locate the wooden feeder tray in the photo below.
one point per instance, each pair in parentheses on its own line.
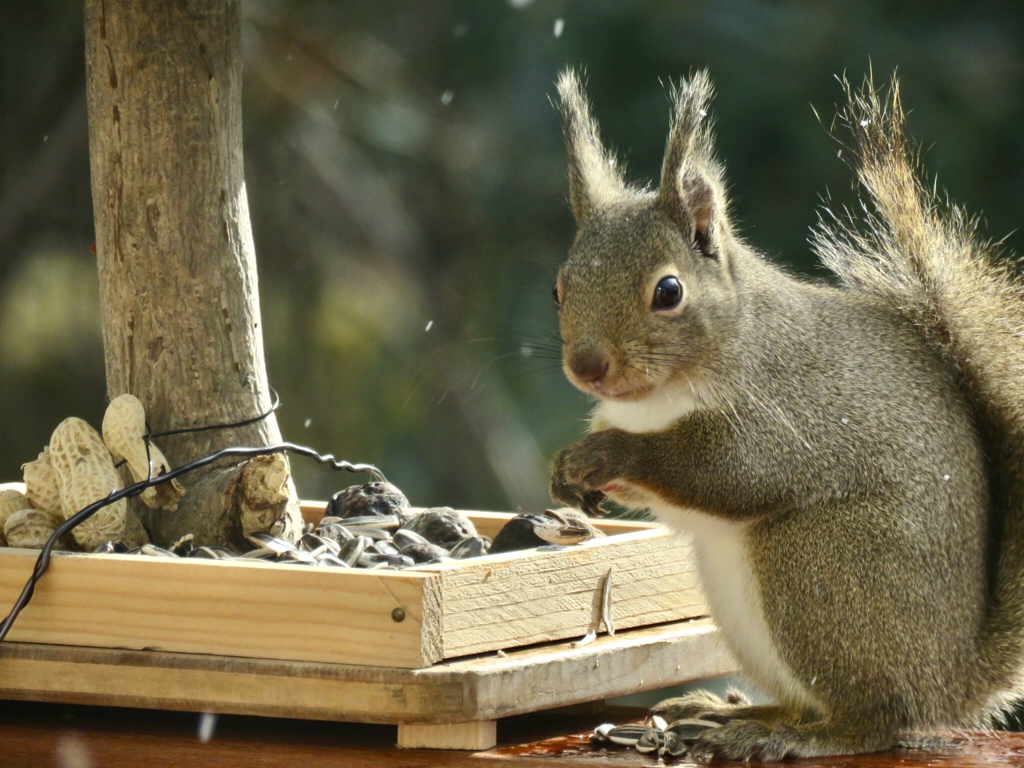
(440,650)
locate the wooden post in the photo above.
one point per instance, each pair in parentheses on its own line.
(178,289)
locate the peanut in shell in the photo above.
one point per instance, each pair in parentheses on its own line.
(11,501)
(124,428)
(85,474)
(41,483)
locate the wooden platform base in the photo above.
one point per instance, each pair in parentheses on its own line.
(58,736)
(449,705)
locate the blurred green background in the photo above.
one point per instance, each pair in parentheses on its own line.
(407,185)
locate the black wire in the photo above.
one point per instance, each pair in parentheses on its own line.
(43,561)
(190,430)
(147,438)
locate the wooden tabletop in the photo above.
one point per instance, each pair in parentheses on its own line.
(62,736)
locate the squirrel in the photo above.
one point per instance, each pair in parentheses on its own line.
(847,458)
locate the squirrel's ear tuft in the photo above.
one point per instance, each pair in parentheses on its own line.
(690,177)
(593,176)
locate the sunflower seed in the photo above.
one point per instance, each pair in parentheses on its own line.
(627,735)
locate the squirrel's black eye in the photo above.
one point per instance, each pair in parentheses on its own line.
(554,294)
(667,293)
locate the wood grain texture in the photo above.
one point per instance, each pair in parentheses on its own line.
(178,287)
(300,613)
(52,736)
(515,599)
(467,736)
(254,609)
(177,265)
(478,689)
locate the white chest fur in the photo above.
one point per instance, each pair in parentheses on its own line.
(734,597)
(654,413)
(723,558)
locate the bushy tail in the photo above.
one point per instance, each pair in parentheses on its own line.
(926,259)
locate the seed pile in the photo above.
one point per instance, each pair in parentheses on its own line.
(373,526)
(665,739)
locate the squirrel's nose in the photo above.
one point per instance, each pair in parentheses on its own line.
(588,365)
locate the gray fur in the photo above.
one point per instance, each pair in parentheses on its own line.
(868,438)
(594,176)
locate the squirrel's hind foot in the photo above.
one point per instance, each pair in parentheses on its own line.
(755,740)
(764,732)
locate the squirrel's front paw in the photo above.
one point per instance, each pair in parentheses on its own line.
(579,472)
